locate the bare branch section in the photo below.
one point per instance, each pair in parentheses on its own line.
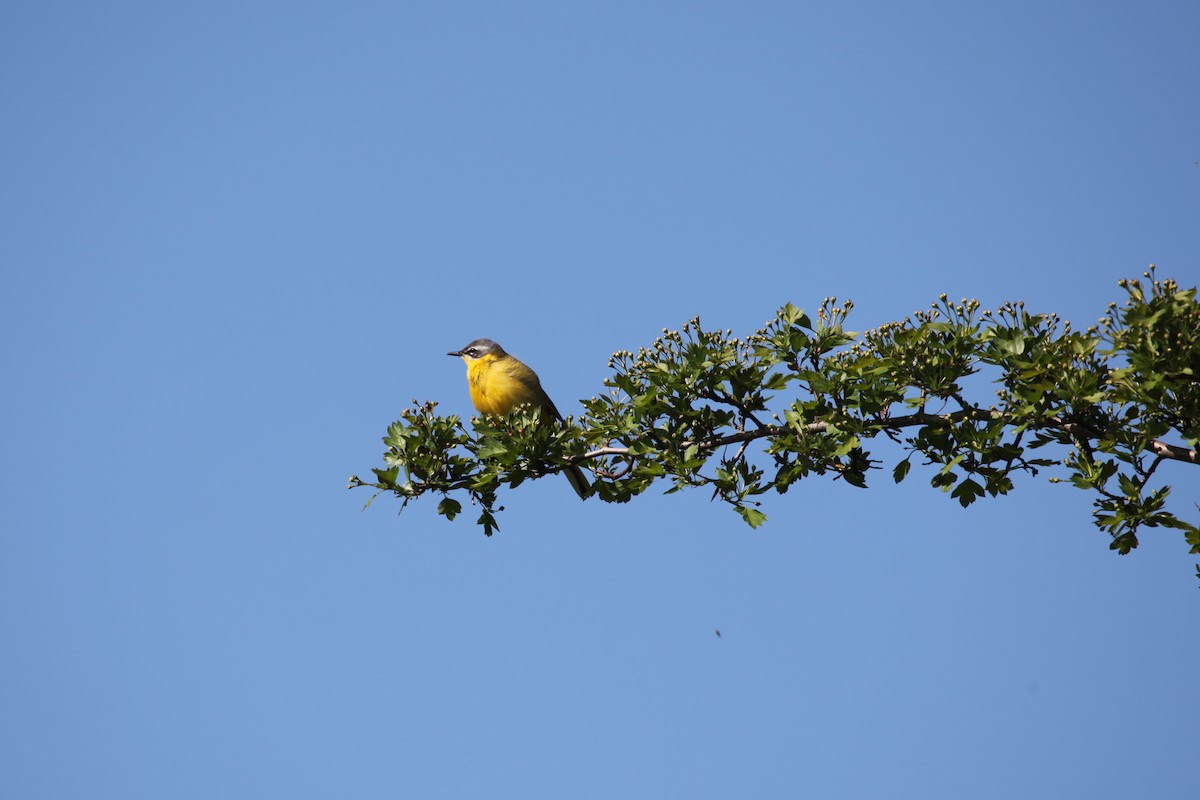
(1174,452)
(1099,408)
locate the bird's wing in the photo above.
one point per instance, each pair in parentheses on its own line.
(529,379)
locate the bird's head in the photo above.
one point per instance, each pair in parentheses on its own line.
(479,349)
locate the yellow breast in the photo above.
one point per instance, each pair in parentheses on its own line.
(497,386)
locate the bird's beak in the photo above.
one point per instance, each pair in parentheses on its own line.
(456,353)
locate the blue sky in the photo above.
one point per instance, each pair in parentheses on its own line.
(240,238)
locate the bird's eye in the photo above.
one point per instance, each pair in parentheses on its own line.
(473,352)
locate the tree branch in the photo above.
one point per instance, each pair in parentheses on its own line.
(1172,451)
(1159,448)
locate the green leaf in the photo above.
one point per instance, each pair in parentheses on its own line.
(1124,543)
(854,478)
(943,480)
(641,448)
(776,381)
(954,462)
(1010,342)
(1129,487)
(488,520)
(967,492)
(752,516)
(387,477)
(492,448)
(901,470)
(845,447)
(449,508)
(794,316)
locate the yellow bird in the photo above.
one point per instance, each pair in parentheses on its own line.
(499,383)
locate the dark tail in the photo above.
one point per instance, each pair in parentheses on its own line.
(578,481)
